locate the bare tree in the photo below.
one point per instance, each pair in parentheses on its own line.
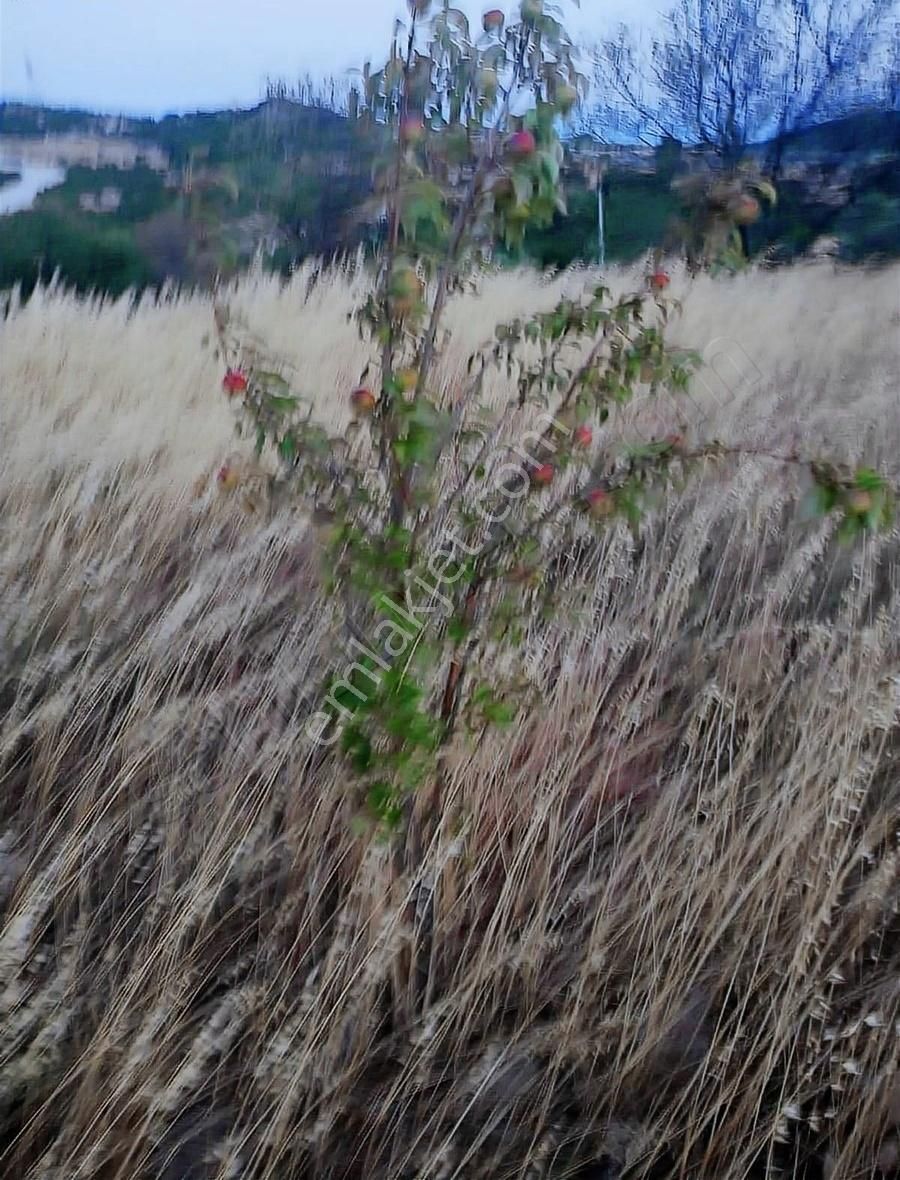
(840,55)
(704,79)
(727,73)
(323,93)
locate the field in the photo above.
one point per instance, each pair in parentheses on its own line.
(657,931)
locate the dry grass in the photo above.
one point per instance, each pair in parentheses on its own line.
(657,934)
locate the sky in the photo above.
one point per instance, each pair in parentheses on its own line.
(157,56)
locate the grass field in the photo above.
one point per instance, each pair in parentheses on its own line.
(657,933)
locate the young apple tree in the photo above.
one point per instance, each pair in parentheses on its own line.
(444,515)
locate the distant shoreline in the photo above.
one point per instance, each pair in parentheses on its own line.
(21,183)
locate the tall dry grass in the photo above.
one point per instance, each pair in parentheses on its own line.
(656,933)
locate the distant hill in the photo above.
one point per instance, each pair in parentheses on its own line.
(319,128)
(221,132)
(282,177)
(17,118)
(285,178)
(864,132)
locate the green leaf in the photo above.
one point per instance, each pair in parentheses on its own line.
(316,440)
(413,774)
(550,165)
(457,629)
(651,450)
(500,714)
(357,747)
(281,403)
(287,448)
(850,529)
(272,382)
(422,203)
(402,452)
(823,498)
(869,480)
(384,804)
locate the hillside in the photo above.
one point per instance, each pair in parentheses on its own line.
(283,179)
(865,133)
(223,132)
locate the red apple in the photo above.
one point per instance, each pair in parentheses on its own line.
(227,477)
(860,501)
(492,20)
(522,144)
(363,401)
(744,210)
(542,474)
(234,382)
(406,290)
(659,280)
(412,129)
(600,503)
(583,436)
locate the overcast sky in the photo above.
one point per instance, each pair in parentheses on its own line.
(153,56)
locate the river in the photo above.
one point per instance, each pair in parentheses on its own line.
(33,179)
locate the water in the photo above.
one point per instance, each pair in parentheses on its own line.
(33,179)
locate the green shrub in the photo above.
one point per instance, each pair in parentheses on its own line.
(143,191)
(89,254)
(870,227)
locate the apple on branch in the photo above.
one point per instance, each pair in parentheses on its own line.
(363,401)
